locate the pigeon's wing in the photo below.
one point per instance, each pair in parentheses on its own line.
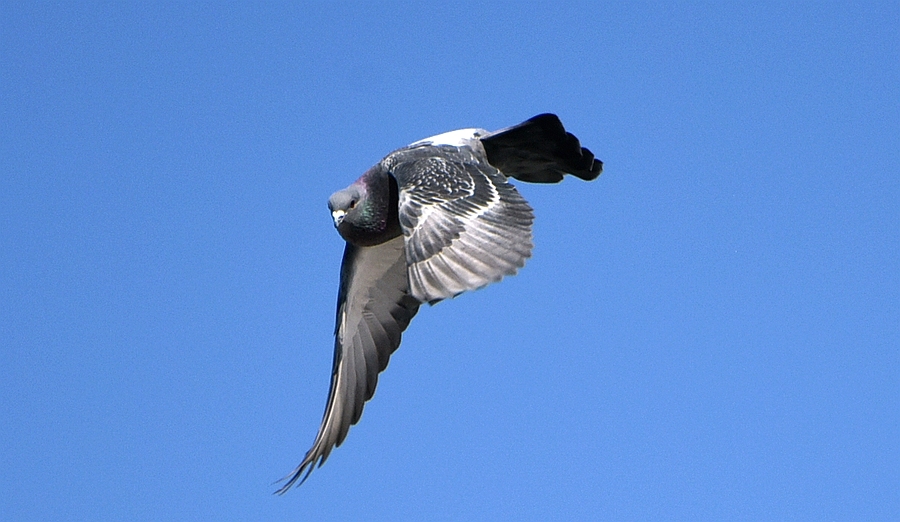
(463,224)
(374,308)
(539,150)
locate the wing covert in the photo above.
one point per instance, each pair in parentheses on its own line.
(464,225)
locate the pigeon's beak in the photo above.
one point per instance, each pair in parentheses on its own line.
(338,216)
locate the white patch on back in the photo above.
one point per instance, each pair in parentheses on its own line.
(456,138)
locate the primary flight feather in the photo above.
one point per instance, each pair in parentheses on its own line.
(429,221)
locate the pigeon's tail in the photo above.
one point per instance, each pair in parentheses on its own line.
(540,150)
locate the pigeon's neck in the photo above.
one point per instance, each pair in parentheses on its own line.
(378,220)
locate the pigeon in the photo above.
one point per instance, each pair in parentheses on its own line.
(431,220)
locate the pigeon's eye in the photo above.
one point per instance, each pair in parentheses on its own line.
(352,203)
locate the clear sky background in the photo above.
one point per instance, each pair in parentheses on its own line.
(709,331)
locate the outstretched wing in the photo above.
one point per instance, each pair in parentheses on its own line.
(374,308)
(539,150)
(464,226)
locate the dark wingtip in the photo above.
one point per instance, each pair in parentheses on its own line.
(592,167)
(580,160)
(540,150)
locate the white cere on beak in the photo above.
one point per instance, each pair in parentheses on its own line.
(338,216)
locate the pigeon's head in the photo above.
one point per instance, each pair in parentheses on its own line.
(365,213)
(344,202)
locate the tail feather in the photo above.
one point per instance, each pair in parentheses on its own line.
(539,150)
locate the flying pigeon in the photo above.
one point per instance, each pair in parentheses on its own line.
(431,220)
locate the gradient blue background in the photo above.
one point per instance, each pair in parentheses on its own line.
(709,331)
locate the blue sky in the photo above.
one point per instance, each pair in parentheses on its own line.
(709,331)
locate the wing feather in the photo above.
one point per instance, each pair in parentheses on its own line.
(374,308)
